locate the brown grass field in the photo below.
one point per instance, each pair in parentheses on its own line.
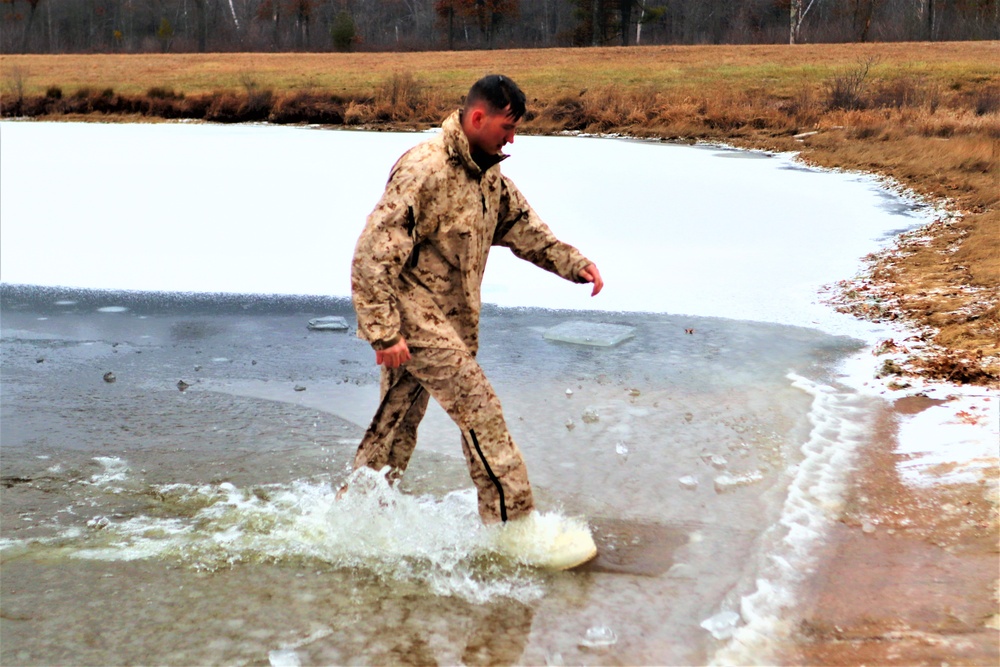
(924,114)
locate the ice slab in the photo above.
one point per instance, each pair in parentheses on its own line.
(722,625)
(331,323)
(599,636)
(689,482)
(600,334)
(284,658)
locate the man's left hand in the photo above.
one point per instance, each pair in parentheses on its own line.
(393,356)
(592,275)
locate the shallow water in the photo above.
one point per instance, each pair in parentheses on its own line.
(145,523)
(185,513)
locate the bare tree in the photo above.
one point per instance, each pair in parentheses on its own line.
(201,21)
(798,14)
(449,10)
(58,26)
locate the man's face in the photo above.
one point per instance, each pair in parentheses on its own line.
(492,131)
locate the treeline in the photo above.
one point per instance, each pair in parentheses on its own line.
(145,26)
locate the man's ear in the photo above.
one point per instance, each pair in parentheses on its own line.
(476,116)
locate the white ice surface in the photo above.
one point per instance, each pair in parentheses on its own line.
(956,441)
(946,443)
(277,210)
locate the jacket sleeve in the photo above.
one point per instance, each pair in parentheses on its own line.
(521,230)
(382,251)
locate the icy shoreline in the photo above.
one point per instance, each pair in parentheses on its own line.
(955,442)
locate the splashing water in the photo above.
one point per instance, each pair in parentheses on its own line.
(439,542)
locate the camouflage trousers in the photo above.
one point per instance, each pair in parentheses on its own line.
(458,384)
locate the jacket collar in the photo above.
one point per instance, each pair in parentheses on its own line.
(457,145)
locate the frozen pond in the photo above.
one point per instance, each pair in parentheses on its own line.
(146,524)
(277,210)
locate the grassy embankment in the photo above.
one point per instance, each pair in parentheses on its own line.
(927,115)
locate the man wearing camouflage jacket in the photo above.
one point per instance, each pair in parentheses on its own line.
(415,281)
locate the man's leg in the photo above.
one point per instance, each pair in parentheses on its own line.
(456,381)
(392,435)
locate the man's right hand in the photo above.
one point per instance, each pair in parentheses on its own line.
(394,356)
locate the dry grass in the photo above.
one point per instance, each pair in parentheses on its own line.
(927,115)
(692,70)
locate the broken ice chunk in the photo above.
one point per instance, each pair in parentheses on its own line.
(284,658)
(719,462)
(728,482)
(331,323)
(599,334)
(689,482)
(599,636)
(722,624)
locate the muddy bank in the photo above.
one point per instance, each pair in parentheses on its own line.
(909,573)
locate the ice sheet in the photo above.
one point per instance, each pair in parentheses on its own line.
(277,210)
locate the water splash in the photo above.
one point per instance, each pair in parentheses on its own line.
(114,470)
(438,542)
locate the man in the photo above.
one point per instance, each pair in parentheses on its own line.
(415,281)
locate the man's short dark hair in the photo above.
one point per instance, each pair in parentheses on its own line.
(499,93)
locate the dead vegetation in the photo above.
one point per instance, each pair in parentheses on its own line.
(926,115)
(943,280)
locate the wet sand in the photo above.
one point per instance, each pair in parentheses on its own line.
(909,574)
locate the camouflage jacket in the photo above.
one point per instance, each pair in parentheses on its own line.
(418,265)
